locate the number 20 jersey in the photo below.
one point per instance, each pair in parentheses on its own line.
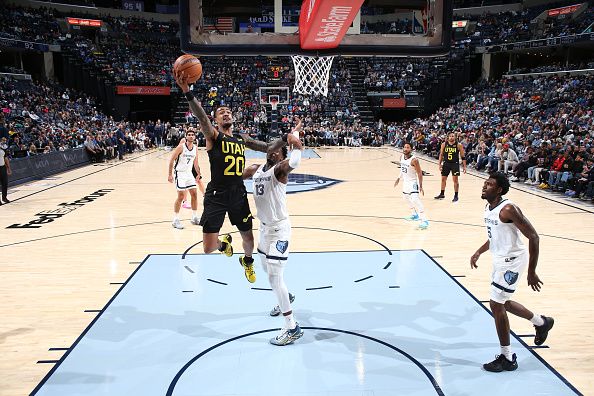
(227,161)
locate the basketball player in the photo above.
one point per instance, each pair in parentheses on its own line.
(505,222)
(199,182)
(449,161)
(410,171)
(270,195)
(225,193)
(185,159)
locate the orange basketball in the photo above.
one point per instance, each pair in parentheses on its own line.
(190,65)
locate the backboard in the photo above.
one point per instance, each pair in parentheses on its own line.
(270,27)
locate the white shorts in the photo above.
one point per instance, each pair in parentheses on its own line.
(410,187)
(274,242)
(507,273)
(184,180)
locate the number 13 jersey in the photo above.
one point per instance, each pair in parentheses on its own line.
(227,160)
(270,196)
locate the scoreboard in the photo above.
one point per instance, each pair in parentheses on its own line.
(275,73)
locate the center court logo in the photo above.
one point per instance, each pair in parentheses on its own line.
(300,183)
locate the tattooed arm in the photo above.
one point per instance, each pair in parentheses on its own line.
(205,125)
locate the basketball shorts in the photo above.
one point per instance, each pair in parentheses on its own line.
(507,272)
(274,242)
(184,180)
(447,167)
(410,187)
(218,202)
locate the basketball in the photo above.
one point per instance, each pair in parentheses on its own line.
(190,65)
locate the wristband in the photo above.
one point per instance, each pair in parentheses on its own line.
(189,96)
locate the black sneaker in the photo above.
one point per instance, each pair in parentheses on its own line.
(5,200)
(543,331)
(440,196)
(501,364)
(455,198)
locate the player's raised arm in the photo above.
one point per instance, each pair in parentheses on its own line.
(205,125)
(294,159)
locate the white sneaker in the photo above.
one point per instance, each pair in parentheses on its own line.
(177,224)
(195,221)
(513,178)
(287,336)
(528,181)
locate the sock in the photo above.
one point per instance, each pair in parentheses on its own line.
(506,351)
(537,320)
(195,214)
(248,259)
(442,192)
(176,216)
(290,321)
(455,193)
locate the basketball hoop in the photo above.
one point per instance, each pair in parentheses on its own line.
(312,74)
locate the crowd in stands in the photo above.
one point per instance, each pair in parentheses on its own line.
(514,26)
(45,117)
(555,67)
(539,130)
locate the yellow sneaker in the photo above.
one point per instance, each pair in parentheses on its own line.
(228,249)
(250,274)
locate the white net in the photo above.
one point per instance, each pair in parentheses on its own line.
(311,74)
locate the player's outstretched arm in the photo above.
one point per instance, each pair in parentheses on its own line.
(195,106)
(286,166)
(249,171)
(513,214)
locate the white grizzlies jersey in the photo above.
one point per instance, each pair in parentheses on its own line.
(409,173)
(270,196)
(185,161)
(504,238)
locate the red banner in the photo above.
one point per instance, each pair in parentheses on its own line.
(142,90)
(394,103)
(564,10)
(323,23)
(84,22)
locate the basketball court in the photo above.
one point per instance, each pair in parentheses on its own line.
(109,297)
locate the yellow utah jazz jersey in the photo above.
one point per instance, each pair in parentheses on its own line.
(227,160)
